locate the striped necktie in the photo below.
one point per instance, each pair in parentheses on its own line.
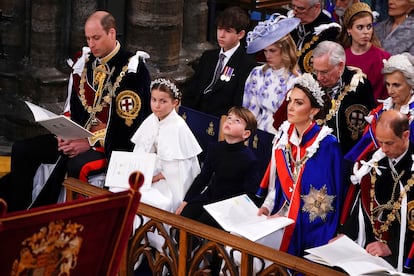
(217,71)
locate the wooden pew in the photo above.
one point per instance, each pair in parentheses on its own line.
(179,255)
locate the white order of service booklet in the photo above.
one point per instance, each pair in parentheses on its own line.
(239,215)
(352,258)
(59,125)
(123,163)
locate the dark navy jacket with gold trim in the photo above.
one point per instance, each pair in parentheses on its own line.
(348,122)
(329,31)
(128,105)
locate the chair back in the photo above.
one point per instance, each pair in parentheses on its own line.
(205,127)
(261,144)
(86,236)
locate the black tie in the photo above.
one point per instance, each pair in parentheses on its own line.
(217,72)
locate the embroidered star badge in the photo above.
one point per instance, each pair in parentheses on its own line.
(317,203)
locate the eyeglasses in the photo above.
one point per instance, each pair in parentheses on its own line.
(323,73)
(299,8)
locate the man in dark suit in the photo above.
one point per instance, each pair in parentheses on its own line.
(218,83)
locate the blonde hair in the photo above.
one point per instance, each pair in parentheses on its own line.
(288,51)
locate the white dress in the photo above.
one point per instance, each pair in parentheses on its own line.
(177,149)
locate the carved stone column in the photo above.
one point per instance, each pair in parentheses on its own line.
(155,26)
(12,29)
(81,10)
(156,30)
(195,27)
(32,74)
(47,20)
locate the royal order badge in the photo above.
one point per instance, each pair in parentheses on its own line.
(128,105)
(410,216)
(317,203)
(355,119)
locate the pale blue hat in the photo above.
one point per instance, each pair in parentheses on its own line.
(270,31)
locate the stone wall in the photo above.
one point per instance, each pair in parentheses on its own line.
(38,36)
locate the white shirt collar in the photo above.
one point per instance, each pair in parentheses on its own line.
(229,53)
(398,158)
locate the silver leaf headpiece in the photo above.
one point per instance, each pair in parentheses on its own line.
(307,81)
(169,84)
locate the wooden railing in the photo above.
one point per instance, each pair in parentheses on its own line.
(4,165)
(180,256)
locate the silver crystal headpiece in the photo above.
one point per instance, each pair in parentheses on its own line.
(169,84)
(307,81)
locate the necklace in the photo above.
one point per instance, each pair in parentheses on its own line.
(391,205)
(297,164)
(335,106)
(307,45)
(102,78)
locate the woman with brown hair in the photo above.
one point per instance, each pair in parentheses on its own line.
(362,47)
(304,177)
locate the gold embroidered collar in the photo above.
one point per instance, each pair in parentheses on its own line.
(102,83)
(108,57)
(351,87)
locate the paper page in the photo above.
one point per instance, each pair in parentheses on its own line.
(123,163)
(234,211)
(257,230)
(66,128)
(341,250)
(316,259)
(39,113)
(59,125)
(239,214)
(366,268)
(345,253)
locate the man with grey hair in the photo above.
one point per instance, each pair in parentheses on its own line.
(315,26)
(350,90)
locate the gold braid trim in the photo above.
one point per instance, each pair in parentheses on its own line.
(307,45)
(98,136)
(395,206)
(356,79)
(99,101)
(335,106)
